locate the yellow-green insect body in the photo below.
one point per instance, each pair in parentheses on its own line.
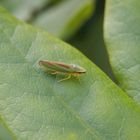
(62,68)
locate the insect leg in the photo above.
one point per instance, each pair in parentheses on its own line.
(51,71)
(69,76)
(77,75)
(54,72)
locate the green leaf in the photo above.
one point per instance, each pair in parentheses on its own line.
(64,19)
(122,35)
(5,134)
(33,105)
(23,9)
(90,40)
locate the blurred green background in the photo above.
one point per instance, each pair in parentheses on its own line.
(78,22)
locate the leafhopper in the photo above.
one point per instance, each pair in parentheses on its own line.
(54,67)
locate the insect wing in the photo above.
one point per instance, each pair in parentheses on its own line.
(56,66)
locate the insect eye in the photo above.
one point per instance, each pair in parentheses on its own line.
(73,65)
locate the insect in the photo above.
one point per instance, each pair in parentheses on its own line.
(54,67)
